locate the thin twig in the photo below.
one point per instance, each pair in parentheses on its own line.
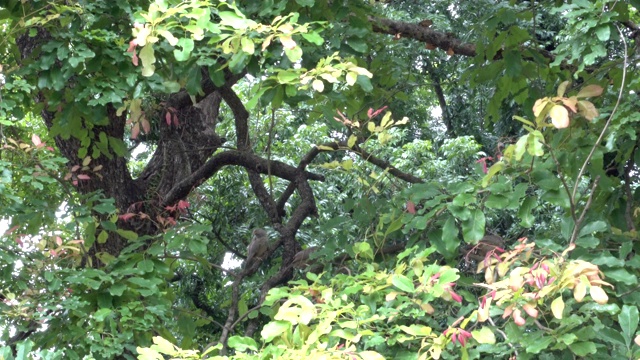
(578,222)
(606,125)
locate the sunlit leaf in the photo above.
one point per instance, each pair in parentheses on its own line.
(557,307)
(559,116)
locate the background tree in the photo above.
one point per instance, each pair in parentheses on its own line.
(142,141)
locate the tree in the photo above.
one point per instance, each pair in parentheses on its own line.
(224,100)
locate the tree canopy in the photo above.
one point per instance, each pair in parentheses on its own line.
(331,179)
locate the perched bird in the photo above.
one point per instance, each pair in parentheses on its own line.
(257,248)
(301,258)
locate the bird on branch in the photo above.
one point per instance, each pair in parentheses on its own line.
(257,249)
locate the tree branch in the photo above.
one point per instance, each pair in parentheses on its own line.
(233,157)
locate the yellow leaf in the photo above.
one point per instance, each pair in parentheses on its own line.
(371,126)
(489,276)
(570,103)
(483,311)
(598,295)
(557,307)
(563,87)
(325,148)
(559,116)
(580,291)
(590,90)
(386,119)
(347,164)
(86,161)
(351,78)
(352,141)
(317,85)
(330,78)
(267,42)
(539,106)
(587,109)
(287,42)
(484,336)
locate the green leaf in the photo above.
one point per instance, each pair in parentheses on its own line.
(238,62)
(274,329)
(127,234)
(101,314)
(583,348)
(628,320)
(521,147)
(603,32)
(622,275)
(497,201)
(186,45)
(117,289)
(233,19)
(403,283)
(450,236)
(473,228)
(493,170)
(593,227)
(294,54)
(534,347)
(243,343)
(524,213)
(484,336)
(358,45)
(313,37)
(416,330)
(118,146)
(288,77)
(148,58)
(146,265)
(24,348)
(102,237)
(364,83)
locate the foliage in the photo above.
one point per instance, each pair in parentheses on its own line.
(462,177)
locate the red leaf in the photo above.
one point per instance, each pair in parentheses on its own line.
(456,297)
(183,204)
(36,140)
(127,216)
(377,112)
(84,177)
(483,161)
(132,46)
(411,207)
(134,59)
(167,118)
(175,120)
(146,126)
(135,130)
(8,232)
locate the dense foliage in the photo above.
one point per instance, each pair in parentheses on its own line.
(442,179)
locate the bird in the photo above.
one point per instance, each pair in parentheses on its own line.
(301,258)
(257,248)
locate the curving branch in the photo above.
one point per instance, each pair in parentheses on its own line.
(383,164)
(432,38)
(232,157)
